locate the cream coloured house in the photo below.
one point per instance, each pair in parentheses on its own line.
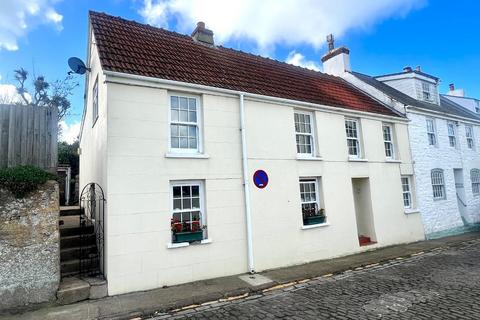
(176,128)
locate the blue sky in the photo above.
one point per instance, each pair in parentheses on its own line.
(383,35)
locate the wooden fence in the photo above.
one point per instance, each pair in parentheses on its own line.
(28,135)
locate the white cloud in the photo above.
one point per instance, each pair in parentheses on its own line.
(270,22)
(298,59)
(69,132)
(8,94)
(18,17)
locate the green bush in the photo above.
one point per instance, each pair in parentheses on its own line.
(23,179)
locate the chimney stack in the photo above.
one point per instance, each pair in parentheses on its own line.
(203,35)
(418,69)
(407,69)
(455,92)
(337,60)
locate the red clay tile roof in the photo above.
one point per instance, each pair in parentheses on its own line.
(134,48)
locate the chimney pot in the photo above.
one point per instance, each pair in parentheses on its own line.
(201,25)
(418,69)
(451,86)
(407,69)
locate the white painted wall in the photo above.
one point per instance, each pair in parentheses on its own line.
(439,215)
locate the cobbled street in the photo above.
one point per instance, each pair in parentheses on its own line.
(443,284)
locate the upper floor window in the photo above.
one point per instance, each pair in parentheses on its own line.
(388,141)
(188,216)
(426,90)
(95,102)
(475,178)
(353,137)
(452,138)
(432,135)
(184,123)
(304,133)
(438,184)
(407,192)
(469,135)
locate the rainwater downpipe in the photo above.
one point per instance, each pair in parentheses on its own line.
(248,216)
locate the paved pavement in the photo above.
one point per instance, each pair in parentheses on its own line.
(316,300)
(441,284)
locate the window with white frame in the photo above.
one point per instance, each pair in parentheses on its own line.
(475,178)
(353,137)
(95,102)
(304,133)
(388,141)
(452,137)
(431,133)
(188,213)
(426,90)
(438,184)
(312,212)
(469,135)
(184,123)
(407,192)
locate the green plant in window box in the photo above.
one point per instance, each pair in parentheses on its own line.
(313,216)
(187,231)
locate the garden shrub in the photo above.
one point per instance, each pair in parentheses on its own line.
(23,179)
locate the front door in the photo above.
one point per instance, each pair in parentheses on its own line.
(460,191)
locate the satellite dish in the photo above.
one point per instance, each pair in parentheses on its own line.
(77,66)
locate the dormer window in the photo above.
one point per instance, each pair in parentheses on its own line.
(426,90)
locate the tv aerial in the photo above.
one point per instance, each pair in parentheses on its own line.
(77,66)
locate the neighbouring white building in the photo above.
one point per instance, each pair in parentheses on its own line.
(444,140)
(458,96)
(174,129)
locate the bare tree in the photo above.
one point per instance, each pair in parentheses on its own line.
(45,94)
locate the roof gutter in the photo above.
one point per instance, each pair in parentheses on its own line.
(429,112)
(253,96)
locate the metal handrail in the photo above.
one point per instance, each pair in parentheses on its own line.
(460,199)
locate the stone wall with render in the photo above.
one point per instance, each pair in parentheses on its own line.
(29,247)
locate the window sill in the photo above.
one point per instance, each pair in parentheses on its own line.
(187,155)
(309,158)
(411,211)
(393,161)
(187,244)
(313,226)
(357,159)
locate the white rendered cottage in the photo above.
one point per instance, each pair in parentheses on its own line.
(444,140)
(175,129)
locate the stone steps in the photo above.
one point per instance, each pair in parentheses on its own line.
(74,289)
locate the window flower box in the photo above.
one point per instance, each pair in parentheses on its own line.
(313,220)
(188,236)
(186,231)
(313,216)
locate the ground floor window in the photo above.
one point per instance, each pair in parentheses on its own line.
(438,184)
(188,213)
(312,211)
(407,192)
(475,177)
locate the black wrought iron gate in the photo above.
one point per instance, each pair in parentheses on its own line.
(92,218)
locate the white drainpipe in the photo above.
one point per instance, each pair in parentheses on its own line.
(248,216)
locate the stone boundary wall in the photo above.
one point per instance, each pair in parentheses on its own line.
(29,247)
